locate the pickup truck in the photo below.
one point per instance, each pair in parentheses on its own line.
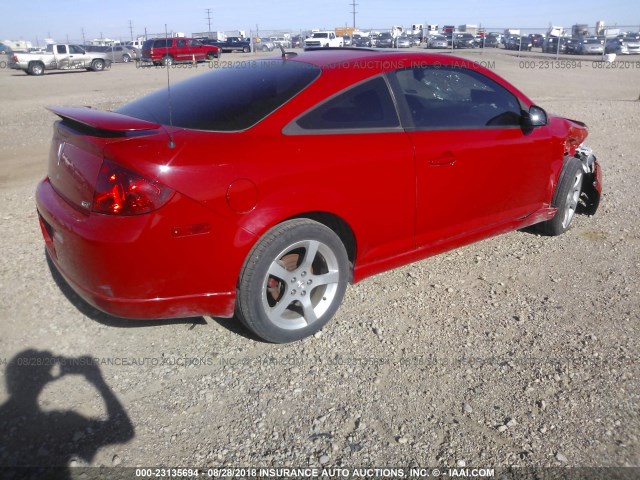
(59,57)
(323,39)
(231,44)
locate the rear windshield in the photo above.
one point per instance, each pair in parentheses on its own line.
(226,99)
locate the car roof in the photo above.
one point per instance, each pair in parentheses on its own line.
(377,61)
(326,57)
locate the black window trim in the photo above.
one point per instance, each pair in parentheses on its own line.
(405,112)
(292,128)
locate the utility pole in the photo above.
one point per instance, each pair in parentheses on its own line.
(84,42)
(209,21)
(353,12)
(131,29)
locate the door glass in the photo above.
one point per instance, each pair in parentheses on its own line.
(454,97)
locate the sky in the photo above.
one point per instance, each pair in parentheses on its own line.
(67,19)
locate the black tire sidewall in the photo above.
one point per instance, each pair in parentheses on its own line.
(554,226)
(35,69)
(249,298)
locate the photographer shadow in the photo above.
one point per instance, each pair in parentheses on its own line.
(34,442)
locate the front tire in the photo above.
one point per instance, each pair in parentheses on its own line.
(167,60)
(565,199)
(293,281)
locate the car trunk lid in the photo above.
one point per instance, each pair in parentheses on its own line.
(76,152)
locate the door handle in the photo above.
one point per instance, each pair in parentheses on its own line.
(447,158)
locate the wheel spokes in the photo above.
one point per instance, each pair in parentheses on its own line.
(326,279)
(311,250)
(308,310)
(279,271)
(300,284)
(572,200)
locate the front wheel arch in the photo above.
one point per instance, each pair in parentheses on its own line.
(566,198)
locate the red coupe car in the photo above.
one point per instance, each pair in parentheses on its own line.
(278,183)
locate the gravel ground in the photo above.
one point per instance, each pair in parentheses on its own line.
(519,350)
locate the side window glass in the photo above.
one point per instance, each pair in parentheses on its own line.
(61,48)
(455,97)
(181,43)
(75,49)
(368,105)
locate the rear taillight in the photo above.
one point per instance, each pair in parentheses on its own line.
(120,191)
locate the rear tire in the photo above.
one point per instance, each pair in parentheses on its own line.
(565,199)
(126,58)
(293,281)
(35,68)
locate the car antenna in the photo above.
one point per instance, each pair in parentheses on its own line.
(285,54)
(171,142)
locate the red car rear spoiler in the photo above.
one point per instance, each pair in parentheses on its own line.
(110,121)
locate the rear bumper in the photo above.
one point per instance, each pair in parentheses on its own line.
(133,267)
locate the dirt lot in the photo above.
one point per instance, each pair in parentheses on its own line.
(520,350)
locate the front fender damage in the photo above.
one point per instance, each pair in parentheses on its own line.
(592,183)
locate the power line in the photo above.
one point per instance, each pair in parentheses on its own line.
(209,20)
(353,11)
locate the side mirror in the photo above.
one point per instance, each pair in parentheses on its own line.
(535,117)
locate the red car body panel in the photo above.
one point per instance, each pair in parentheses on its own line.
(403,195)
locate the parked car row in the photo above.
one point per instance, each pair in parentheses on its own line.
(627,44)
